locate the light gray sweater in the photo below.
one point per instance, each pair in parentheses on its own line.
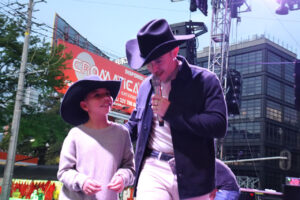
(98,154)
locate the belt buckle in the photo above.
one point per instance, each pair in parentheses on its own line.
(159,155)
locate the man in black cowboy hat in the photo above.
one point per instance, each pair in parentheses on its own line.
(174,159)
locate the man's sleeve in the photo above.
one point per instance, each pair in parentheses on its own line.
(212,122)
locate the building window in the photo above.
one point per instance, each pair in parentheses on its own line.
(250,109)
(296,161)
(290,115)
(251,86)
(273,134)
(273,179)
(249,130)
(289,95)
(205,65)
(273,88)
(289,72)
(275,64)
(241,152)
(274,111)
(247,63)
(271,151)
(290,138)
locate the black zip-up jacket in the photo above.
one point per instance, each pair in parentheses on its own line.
(197,114)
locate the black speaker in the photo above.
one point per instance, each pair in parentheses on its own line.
(188,48)
(291,192)
(233,91)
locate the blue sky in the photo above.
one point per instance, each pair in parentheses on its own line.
(108,24)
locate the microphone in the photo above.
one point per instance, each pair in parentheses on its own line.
(157,90)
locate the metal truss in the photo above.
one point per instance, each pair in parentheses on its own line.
(219,40)
(248,182)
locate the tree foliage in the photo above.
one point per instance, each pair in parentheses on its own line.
(40,121)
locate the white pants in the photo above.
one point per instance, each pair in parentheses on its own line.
(157,182)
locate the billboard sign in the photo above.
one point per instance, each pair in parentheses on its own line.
(85,63)
(63,31)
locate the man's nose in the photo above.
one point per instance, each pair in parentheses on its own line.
(108,97)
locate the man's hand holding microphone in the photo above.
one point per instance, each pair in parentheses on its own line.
(160,104)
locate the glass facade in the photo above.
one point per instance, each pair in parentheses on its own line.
(205,65)
(290,138)
(277,134)
(274,66)
(246,130)
(250,109)
(289,95)
(290,116)
(268,121)
(273,88)
(246,63)
(242,152)
(271,152)
(274,134)
(289,72)
(274,111)
(252,86)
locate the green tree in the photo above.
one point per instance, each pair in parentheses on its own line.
(41,121)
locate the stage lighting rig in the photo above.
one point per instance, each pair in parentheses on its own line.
(235,4)
(286,5)
(200,4)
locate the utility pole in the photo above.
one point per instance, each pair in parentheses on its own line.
(10,161)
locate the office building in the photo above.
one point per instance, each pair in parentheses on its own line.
(268,123)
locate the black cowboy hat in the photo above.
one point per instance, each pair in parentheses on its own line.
(153,40)
(70,109)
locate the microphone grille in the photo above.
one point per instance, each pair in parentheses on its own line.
(155,81)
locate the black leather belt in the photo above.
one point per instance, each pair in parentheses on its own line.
(159,155)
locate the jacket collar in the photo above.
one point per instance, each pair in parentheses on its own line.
(184,71)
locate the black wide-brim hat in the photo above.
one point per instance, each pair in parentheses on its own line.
(70,109)
(153,40)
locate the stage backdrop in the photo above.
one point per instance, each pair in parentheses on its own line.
(85,63)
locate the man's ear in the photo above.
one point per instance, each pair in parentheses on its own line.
(83,106)
(175,51)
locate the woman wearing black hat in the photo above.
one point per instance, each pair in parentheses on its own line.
(96,160)
(175,128)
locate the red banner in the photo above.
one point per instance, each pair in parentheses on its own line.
(85,63)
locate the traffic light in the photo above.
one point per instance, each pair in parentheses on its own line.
(287,163)
(233,91)
(251,195)
(297,85)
